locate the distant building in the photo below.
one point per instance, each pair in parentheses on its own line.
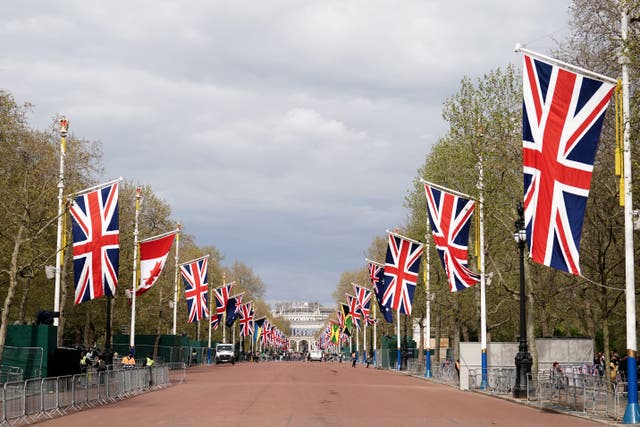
(306,319)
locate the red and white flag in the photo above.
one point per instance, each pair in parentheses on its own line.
(153,256)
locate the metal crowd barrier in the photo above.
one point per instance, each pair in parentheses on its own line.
(500,379)
(24,402)
(583,391)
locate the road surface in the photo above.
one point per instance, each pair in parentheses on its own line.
(310,394)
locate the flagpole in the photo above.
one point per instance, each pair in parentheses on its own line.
(448,190)
(357,341)
(399,354)
(364,342)
(632,412)
(375,335)
(64,129)
(427,279)
(211,296)
(484,384)
(562,64)
(224,323)
(175,281)
(132,332)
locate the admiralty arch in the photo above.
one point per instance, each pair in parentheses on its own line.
(306,319)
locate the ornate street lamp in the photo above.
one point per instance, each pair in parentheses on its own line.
(523,358)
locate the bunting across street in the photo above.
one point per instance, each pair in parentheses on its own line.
(96,242)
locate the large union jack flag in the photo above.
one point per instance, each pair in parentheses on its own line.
(562,118)
(194,276)
(401,272)
(450,218)
(96,243)
(376,274)
(246,319)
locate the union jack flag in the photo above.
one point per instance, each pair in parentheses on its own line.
(194,276)
(222,294)
(562,118)
(376,274)
(401,272)
(246,319)
(96,243)
(449,216)
(217,316)
(363,295)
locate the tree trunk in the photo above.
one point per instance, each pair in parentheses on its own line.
(23,301)
(13,282)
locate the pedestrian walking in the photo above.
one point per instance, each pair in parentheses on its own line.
(354,359)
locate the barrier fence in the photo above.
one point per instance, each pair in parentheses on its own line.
(24,402)
(573,388)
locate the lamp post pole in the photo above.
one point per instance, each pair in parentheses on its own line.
(523,358)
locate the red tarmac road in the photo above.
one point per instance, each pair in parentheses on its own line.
(310,394)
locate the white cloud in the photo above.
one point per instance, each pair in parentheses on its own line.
(287,132)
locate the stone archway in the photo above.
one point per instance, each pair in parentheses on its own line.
(303,346)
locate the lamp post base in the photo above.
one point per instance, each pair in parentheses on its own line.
(523,368)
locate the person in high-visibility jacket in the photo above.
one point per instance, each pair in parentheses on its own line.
(128,361)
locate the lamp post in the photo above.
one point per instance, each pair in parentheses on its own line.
(64,130)
(523,358)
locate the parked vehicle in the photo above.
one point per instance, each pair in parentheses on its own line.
(316,355)
(225,354)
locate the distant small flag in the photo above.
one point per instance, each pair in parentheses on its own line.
(376,274)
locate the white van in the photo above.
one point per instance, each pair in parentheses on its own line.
(225,353)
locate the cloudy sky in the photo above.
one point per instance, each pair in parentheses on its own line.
(284,132)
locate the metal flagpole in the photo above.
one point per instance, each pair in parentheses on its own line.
(211,296)
(175,282)
(483,281)
(398,336)
(224,323)
(364,342)
(632,412)
(427,278)
(375,335)
(64,129)
(134,284)
(357,341)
